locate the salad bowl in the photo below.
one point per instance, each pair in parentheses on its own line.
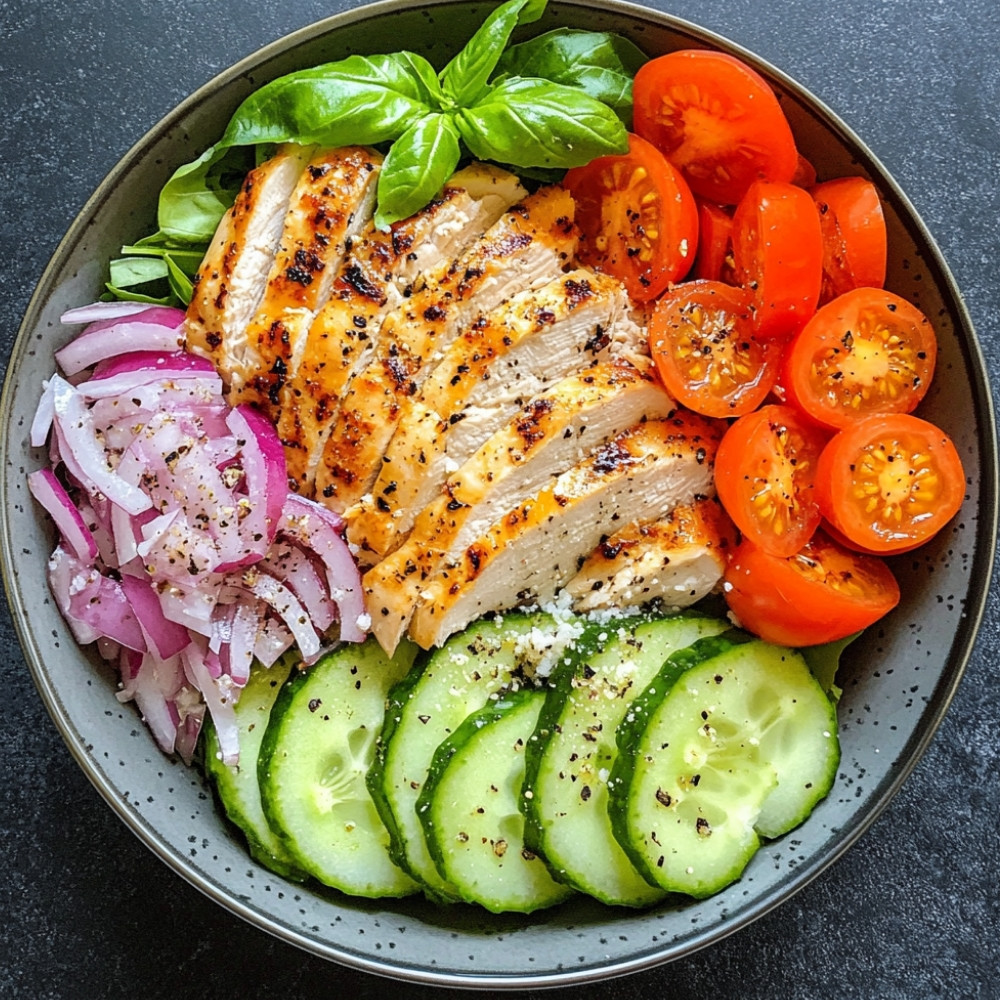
(897,680)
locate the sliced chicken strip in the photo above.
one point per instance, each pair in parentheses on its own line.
(491,370)
(676,560)
(526,248)
(550,435)
(377,274)
(331,204)
(536,547)
(231,280)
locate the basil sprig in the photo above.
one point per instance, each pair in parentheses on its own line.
(550,103)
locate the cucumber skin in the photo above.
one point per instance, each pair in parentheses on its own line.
(560,687)
(265,846)
(399,697)
(283,704)
(629,735)
(455,744)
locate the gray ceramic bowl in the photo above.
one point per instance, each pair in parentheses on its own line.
(898,681)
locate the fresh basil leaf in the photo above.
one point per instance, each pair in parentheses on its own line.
(529,122)
(824,662)
(601,64)
(199,193)
(465,78)
(359,100)
(416,168)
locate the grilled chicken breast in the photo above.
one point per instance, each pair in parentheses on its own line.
(495,366)
(530,244)
(677,560)
(378,273)
(551,434)
(332,202)
(231,280)
(535,548)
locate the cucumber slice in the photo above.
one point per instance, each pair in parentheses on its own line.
(469,810)
(444,688)
(236,786)
(316,751)
(568,764)
(733,740)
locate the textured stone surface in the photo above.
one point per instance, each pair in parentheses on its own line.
(911,911)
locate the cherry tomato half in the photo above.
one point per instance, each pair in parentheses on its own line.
(889,482)
(701,338)
(867,351)
(716,119)
(855,244)
(714,259)
(778,253)
(637,217)
(765,471)
(822,593)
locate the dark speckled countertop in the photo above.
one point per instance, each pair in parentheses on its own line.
(912,911)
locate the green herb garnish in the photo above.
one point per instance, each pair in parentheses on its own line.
(542,106)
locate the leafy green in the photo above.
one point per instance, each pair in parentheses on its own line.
(465,78)
(529,122)
(417,166)
(540,106)
(824,661)
(361,100)
(600,64)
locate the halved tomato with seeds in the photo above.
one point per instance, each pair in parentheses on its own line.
(889,482)
(701,338)
(637,217)
(765,472)
(716,119)
(867,351)
(822,593)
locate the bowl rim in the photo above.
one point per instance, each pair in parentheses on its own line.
(961,649)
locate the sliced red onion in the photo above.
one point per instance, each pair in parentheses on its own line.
(52,495)
(98,311)
(289,610)
(208,384)
(293,567)
(158,361)
(79,444)
(41,423)
(220,696)
(266,482)
(141,332)
(311,524)
(167,637)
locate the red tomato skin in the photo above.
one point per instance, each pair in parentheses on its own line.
(855,241)
(836,474)
(770,598)
(678,350)
(675,242)
(824,333)
(714,260)
(749,463)
(677,99)
(778,253)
